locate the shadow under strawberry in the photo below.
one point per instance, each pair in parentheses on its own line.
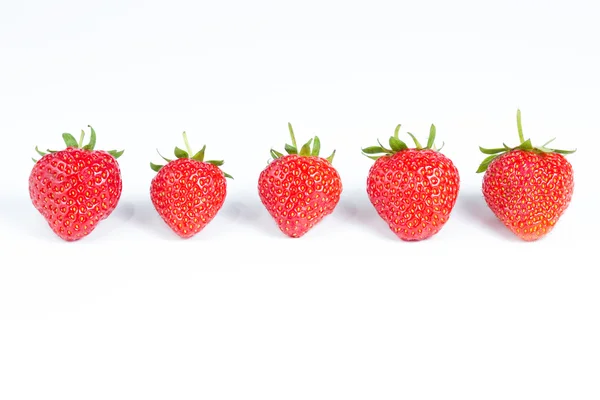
(355,208)
(21,220)
(250,211)
(474,206)
(123,213)
(149,221)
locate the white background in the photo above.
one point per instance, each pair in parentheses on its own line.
(348,311)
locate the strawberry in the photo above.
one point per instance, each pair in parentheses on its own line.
(76,188)
(188,192)
(413,189)
(528,188)
(300,188)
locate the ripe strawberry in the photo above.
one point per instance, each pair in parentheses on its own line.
(74,189)
(299,189)
(188,192)
(528,188)
(413,189)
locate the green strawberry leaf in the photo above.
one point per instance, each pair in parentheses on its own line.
(419,147)
(163,157)
(486,162)
(492,151)
(526,145)
(216,163)
(385,150)
(92,142)
(316,147)
(199,156)
(397,144)
(373,150)
(548,142)
(330,158)
(41,153)
(115,153)
(305,150)
(549,150)
(312,148)
(275,154)
(396,131)
(291,149)
(185,154)
(293,137)
(563,151)
(70,140)
(431,138)
(181,153)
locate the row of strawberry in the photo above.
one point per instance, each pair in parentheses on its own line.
(413,189)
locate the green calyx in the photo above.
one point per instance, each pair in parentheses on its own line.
(187,153)
(70,141)
(397,145)
(524,145)
(312,148)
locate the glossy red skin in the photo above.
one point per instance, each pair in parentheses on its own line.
(414,191)
(528,191)
(299,191)
(75,189)
(187,194)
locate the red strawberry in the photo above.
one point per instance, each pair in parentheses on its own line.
(528,188)
(74,189)
(413,189)
(299,189)
(188,192)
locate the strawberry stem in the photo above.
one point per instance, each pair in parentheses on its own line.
(81,139)
(520,127)
(524,145)
(199,156)
(397,145)
(187,144)
(312,148)
(70,141)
